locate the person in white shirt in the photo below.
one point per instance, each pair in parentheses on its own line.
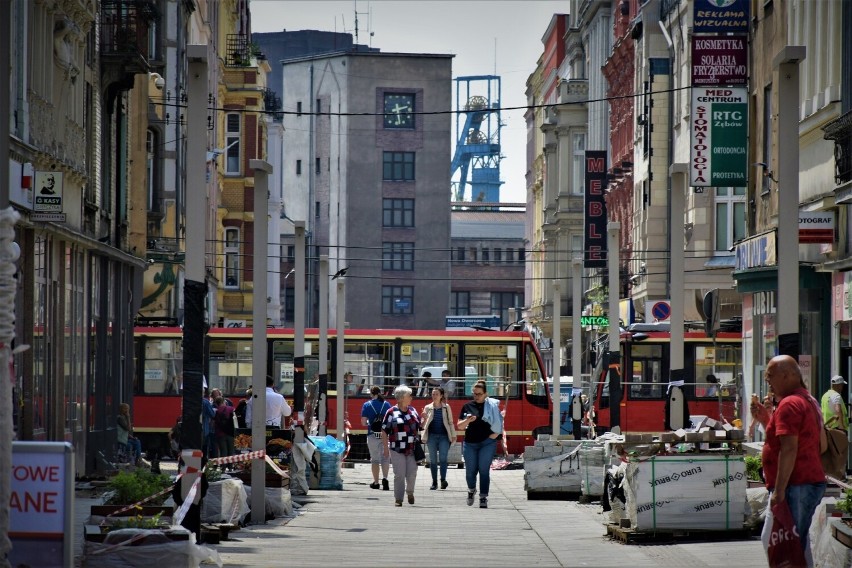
(276,406)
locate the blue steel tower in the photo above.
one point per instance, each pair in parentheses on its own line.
(477,139)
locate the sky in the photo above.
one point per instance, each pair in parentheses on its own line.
(487,37)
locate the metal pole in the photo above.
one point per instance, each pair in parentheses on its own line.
(262,171)
(556,351)
(340,388)
(299,316)
(5,102)
(679,173)
(613,229)
(787,318)
(322,390)
(195,286)
(576,329)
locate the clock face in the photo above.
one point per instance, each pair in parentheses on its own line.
(398,111)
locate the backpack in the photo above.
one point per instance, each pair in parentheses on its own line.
(376,423)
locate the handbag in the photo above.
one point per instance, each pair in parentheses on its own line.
(419,453)
(834,457)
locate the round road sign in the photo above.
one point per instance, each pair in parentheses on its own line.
(661,311)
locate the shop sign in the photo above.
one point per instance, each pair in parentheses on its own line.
(719,60)
(41,504)
(49,186)
(756,252)
(763,303)
(719,137)
(720,16)
(594,236)
(816,227)
(594,321)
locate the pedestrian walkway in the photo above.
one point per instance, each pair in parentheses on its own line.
(359,526)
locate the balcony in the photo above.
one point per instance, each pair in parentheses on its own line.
(239,51)
(840,131)
(272,104)
(125,35)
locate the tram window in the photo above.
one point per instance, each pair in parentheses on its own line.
(646,380)
(370,364)
(535,384)
(163,366)
(716,370)
(418,357)
(230,366)
(496,364)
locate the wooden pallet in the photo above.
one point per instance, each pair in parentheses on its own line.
(553,495)
(633,536)
(214,533)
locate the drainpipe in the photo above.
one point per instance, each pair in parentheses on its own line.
(670,152)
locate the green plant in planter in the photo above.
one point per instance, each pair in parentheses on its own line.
(844,504)
(137,522)
(132,486)
(753,465)
(213,474)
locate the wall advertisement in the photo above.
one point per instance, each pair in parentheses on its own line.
(719,137)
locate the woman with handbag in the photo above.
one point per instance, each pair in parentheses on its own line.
(400,434)
(438,434)
(372,414)
(482,423)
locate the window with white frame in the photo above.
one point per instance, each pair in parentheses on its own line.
(232,258)
(730,216)
(232,143)
(578,169)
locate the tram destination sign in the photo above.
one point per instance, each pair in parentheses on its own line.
(719,137)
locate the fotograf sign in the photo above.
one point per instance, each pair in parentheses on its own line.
(816,227)
(594,234)
(718,16)
(719,137)
(719,60)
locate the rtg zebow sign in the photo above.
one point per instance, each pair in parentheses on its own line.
(719,142)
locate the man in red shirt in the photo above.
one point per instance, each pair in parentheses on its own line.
(791,462)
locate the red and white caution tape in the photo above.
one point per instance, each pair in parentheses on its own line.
(259,454)
(190,497)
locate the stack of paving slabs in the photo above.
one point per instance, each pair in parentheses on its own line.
(686,492)
(552,465)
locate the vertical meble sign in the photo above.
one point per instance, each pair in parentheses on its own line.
(719,142)
(594,235)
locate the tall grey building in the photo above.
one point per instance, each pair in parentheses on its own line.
(367,166)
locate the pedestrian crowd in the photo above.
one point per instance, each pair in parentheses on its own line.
(397,433)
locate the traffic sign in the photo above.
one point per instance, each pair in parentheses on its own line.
(661,310)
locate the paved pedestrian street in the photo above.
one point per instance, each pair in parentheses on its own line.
(359,526)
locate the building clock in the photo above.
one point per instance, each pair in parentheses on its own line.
(399,109)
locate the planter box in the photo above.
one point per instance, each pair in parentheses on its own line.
(272,479)
(150,511)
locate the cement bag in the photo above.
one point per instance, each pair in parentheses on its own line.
(225,502)
(277,501)
(158,550)
(302,454)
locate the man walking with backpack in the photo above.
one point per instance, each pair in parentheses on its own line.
(372,414)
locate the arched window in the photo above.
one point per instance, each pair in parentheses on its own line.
(232,258)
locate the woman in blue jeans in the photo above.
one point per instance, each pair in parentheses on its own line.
(482,424)
(438,434)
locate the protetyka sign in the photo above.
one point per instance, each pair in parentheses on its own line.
(719,141)
(717,16)
(719,60)
(594,234)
